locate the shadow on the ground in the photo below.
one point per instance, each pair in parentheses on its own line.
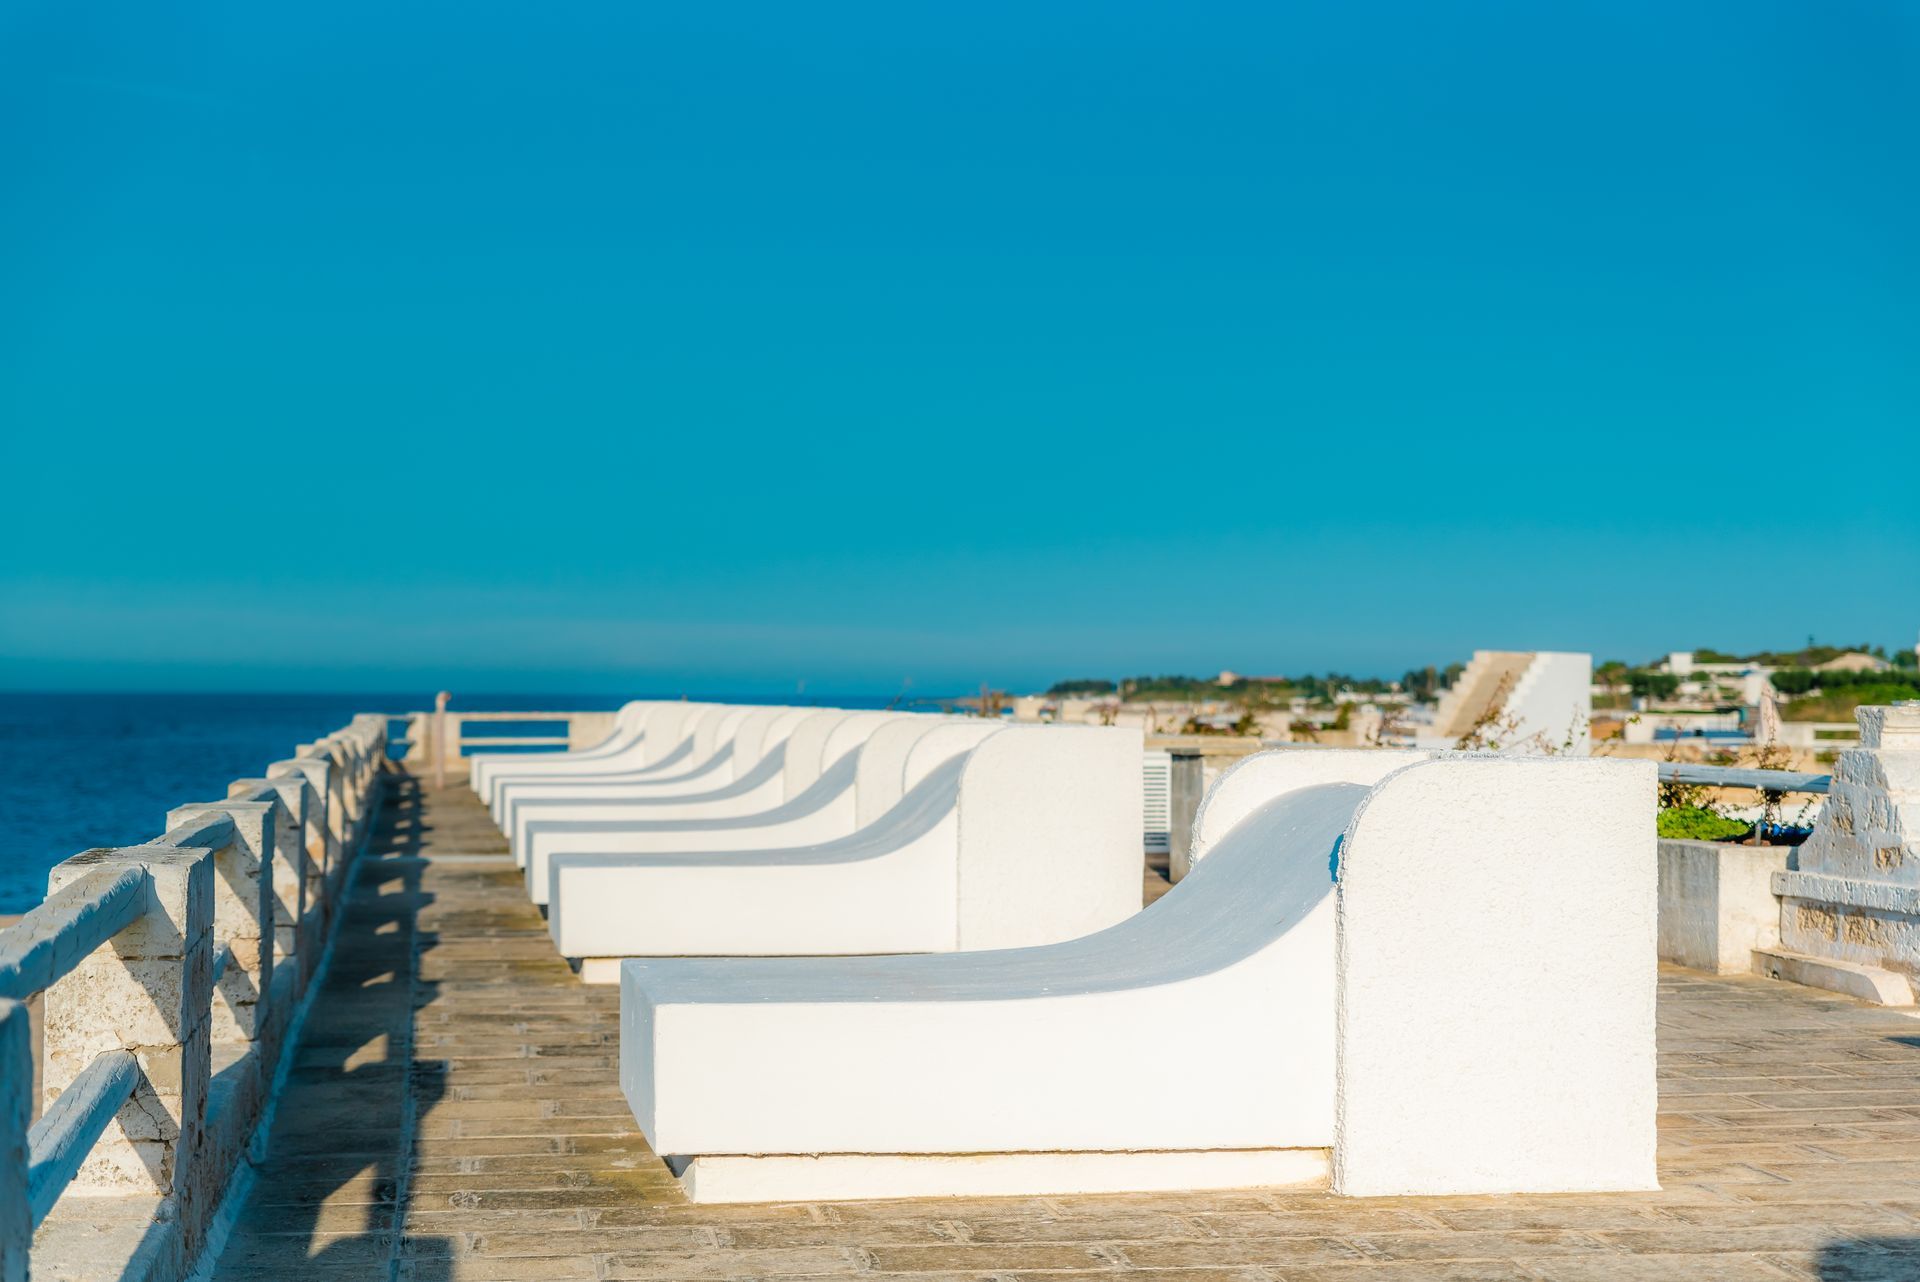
(330,1199)
(1873,1259)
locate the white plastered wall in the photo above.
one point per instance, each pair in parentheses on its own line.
(1496,969)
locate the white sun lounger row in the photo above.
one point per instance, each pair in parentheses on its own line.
(1393,973)
(822,831)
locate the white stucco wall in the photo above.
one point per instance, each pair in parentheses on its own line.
(1497,924)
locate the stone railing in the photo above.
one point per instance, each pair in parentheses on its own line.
(169,974)
(447,735)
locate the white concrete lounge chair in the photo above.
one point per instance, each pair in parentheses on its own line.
(665,743)
(667,746)
(817,799)
(649,735)
(1004,837)
(710,734)
(785,759)
(629,722)
(1436,981)
(727,745)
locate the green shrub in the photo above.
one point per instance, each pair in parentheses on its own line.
(1838,704)
(1697,823)
(1653,685)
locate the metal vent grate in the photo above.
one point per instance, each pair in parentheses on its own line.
(1157,810)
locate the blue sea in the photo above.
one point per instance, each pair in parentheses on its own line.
(84,770)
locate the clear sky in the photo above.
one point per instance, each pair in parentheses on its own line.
(725,346)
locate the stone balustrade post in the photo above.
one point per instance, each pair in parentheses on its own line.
(16,1108)
(419,738)
(372,729)
(320,772)
(310,776)
(291,871)
(340,804)
(148,990)
(242,903)
(340,810)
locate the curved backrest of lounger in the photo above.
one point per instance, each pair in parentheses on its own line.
(629,722)
(621,749)
(760,731)
(672,719)
(887,887)
(716,730)
(711,733)
(879,780)
(804,745)
(1253,781)
(536,824)
(696,791)
(1244,946)
(852,734)
(942,744)
(1072,792)
(1030,837)
(669,725)
(696,823)
(712,821)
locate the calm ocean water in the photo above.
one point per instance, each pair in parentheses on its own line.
(83,770)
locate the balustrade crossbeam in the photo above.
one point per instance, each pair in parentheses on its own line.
(1740,777)
(203,832)
(59,1142)
(53,938)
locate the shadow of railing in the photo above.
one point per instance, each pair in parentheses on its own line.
(331,1193)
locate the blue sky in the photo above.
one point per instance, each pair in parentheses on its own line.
(728,346)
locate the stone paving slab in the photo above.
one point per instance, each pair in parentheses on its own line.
(454,1114)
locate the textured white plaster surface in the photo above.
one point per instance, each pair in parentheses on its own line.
(878,1057)
(664,745)
(700,772)
(1497,974)
(741,817)
(627,725)
(1029,838)
(882,1054)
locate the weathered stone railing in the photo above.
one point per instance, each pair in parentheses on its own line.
(169,974)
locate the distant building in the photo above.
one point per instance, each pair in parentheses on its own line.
(1520,701)
(1229,677)
(1854,662)
(1681,663)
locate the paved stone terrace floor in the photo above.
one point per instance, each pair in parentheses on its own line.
(453,1114)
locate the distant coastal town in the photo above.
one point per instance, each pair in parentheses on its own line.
(1705,702)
